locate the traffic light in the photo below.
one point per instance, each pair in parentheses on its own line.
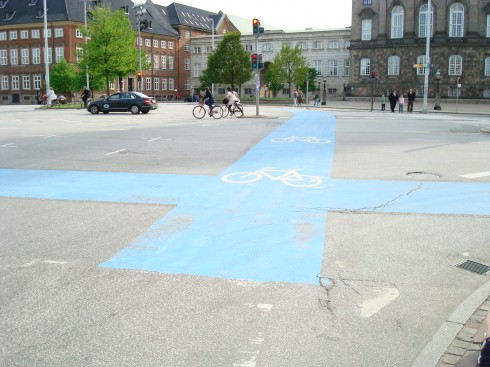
(254,61)
(373,75)
(139,76)
(256,25)
(260,64)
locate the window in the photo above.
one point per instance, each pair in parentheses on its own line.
(78,33)
(37,82)
(15,82)
(48,33)
(209,49)
(171,62)
(5,82)
(9,15)
(187,84)
(3,3)
(24,35)
(155,43)
(163,44)
(170,45)
(156,61)
(333,44)
(3,36)
(60,54)
(164,62)
(148,83)
(346,67)
(455,65)
(366,2)
(14,57)
(267,47)
(317,64)
(58,32)
(13,35)
(365,67)
(187,34)
(171,83)
(456,20)
(164,83)
(488,25)
(197,70)
(50,55)
(397,22)
(303,45)
(423,16)
(26,82)
(147,42)
(32,2)
(366,29)
(79,53)
(35,34)
(36,56)
(487,66)
(156,83)
(187,64)
(248,48)
(394,65)
(317,45)
(196,50)
(347,44)
(421,60)
(332,68)
(125,9)
(24,54)
(3,57)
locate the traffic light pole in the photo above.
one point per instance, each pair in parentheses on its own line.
(257,77)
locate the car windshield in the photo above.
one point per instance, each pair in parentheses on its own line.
(141,95)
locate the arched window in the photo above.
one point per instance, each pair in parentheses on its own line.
(455,65)
(365,67)
(456,20)
(397,15)
(423,16)
(394,65)
(421,60)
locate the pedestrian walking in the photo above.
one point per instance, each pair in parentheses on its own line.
(316,100)
(295,98)
(411,100)
(393,98)
(383,102)
(51,96)
(300,97)
(401,102)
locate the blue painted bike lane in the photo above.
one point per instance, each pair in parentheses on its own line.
(262,219)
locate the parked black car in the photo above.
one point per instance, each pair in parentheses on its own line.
(193,98)
(133,102)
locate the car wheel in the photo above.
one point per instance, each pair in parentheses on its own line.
(135,109)
(94,110)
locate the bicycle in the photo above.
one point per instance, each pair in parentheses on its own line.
(200,111)
(236,110)
(290,177)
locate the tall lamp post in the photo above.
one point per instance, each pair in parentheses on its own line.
(139,11)
(324,94)
(87,81)
(437,76)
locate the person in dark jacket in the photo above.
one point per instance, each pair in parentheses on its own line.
(393,98)
(411,99)
(85,95)
(484,358)
(208,99)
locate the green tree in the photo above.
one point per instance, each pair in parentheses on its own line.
(96,82)
(110,50)
(229,64)
(311,76)
(291,65)
(62,78)
(273,79)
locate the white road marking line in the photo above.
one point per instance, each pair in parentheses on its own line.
(422,140)
(9,145)
(371,306)
(155,139)
(476,175)
(53,262)
(116,151)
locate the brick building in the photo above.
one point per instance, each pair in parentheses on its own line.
(389,37)
(165,41)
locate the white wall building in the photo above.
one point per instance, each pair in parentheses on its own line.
(326,50)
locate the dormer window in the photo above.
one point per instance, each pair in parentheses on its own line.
(95,3)
(39,12)
(9,15)
(32,2)
(125,9)
(3,3)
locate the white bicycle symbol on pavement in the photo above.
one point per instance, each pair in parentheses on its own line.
(290,177)
(309,139)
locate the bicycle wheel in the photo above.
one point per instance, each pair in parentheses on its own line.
(199,112)
(216,112)
(238,110)
(242,177)
(224,111)
(303,181)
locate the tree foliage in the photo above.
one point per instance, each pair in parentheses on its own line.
(229,64)
(290,66)
(272,79)
(110,51)
(62,77)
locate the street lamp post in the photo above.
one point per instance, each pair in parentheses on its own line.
(437,76)
(324,94)
(87,81)
(343,92)
(139,11)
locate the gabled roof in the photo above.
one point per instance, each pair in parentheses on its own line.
(185,15)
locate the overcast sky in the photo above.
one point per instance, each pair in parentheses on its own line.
(288,15)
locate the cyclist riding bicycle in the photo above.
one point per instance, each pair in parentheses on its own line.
(208,100)
(232,99)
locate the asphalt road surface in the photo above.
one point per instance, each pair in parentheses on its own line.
(297,238)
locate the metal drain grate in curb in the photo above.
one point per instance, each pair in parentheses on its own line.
(473,266)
